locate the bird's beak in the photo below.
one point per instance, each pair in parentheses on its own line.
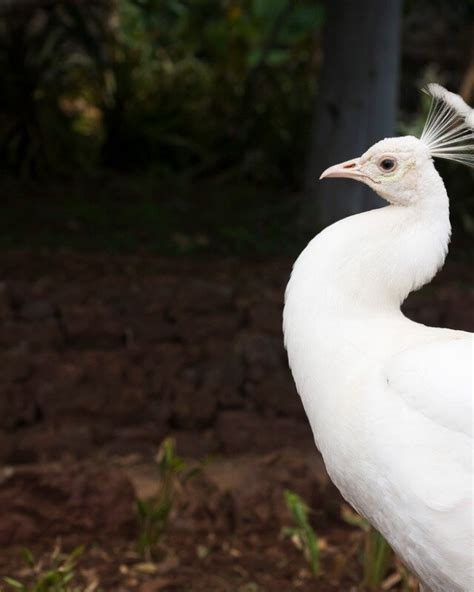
(350,169)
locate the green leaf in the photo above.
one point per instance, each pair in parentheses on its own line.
(67,577)
(376,558)
(303,530)
(142,508)
(28,556)
(313,546)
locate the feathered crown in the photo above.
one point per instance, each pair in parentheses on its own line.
(449,129)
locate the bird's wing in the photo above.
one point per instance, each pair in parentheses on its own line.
(436,379)
(433,460)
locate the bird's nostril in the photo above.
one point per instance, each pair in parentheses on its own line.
(349,165)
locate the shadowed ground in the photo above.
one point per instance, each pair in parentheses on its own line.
(104,356)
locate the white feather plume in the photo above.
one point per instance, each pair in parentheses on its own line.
(449,129)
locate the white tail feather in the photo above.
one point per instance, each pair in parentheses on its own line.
(449,128)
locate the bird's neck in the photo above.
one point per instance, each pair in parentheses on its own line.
(367,264)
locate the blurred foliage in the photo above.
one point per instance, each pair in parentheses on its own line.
(154,514)
(182,87)
(222,86)
(302,533)
(47,57)
(199,109)
(377,558)
(121,214)
(56,573)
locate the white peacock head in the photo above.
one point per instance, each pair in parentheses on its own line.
(394,167)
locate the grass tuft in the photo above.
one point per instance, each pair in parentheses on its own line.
(302,533)
(54,574)
(154,513)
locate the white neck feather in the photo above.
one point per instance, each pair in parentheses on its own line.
(366,265)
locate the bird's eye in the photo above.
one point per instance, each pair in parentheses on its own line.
(387,164)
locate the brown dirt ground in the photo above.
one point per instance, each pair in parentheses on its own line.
(101,357)
(225,533)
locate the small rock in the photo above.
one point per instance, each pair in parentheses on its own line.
(93,327)
(15,366)
(276,395)
(193,404)
(35,335)
(5,301)
(37,310)
(157,584)
(266,316)
(261,353)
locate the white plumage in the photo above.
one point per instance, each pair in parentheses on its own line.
(390,401)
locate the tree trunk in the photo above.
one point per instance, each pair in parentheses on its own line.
(467,86)
(356,104)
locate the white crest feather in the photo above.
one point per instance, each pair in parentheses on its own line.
(449,129)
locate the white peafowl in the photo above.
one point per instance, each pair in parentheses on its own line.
(390,401)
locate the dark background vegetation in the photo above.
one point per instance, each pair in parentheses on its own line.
(158,166)
(186,126)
